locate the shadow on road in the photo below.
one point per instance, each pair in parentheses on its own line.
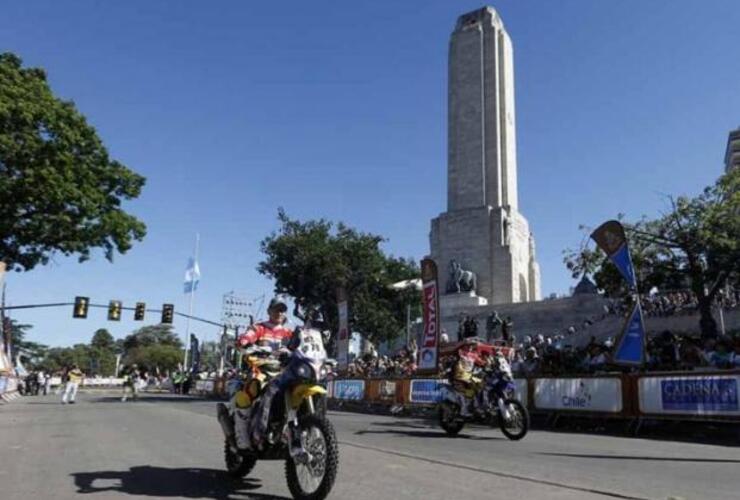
(429,434)
(650,459)
(161,482)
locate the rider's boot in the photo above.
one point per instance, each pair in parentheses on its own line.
(464,406)
(241,428)
(227,423)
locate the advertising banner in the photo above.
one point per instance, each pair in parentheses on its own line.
(387,389)
(343,335)
(690,395)
(428,353)
(349,389)
(579,394)
(425,391)
(520,391)
(330,389)
(630,345)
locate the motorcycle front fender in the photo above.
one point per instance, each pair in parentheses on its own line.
(304,391)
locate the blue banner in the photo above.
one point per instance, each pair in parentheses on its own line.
(425,391)
(621,259)
(702,394)
(349,389)
(630,347)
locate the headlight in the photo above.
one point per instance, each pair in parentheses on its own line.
(323,372)
(304,371)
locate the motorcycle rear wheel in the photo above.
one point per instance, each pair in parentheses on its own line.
(238,465)
(518,425)
(321,443)
(447,419)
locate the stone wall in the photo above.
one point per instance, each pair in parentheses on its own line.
(547,317)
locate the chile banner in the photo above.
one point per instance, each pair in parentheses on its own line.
(428,354)
(630,346)
(343,336)
(611,239)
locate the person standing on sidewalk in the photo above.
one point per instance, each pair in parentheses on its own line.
(75,376)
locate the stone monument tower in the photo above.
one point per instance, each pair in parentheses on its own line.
(482,230)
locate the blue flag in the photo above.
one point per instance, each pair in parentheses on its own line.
(630,346)
(611,239)
(192,276)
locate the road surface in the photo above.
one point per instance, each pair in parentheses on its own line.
(171,447)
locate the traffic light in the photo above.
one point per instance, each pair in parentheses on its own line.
(80,309)
(139,311)
(168,313)
(114,310)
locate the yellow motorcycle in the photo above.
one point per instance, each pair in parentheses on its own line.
(297,415)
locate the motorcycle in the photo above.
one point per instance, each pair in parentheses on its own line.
(297,416)
(493,400)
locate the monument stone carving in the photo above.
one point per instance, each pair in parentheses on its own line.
(482,226)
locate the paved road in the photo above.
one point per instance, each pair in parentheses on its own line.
(168,447)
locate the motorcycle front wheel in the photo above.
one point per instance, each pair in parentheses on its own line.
(312,478)
(238,465)
(517,425)
(448,418)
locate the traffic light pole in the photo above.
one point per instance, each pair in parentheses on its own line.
(105,306)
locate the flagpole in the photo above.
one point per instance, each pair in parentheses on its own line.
(190,308)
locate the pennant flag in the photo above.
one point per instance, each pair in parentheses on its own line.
(611,239)
(192,276)
(630,346)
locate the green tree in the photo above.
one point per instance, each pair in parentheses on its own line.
(103,352)
(310,260)
(155,357)
(61,191)
(102,339)
(695,244)
(154,347)
(160,334)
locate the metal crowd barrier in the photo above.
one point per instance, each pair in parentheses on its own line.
(695,395)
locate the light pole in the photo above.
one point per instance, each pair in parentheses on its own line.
(414,284)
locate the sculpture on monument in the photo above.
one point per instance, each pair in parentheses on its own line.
(460,280)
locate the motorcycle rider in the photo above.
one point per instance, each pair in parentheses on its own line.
(464,379)
(272,333)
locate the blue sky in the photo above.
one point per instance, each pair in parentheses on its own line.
(338,110)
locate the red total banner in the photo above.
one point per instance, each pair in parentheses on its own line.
(428,354)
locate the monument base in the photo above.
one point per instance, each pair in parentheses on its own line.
(453,302)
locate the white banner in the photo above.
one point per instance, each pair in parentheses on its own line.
(520,391)
(690,395)
(579,394)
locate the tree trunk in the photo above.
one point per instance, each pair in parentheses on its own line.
(706,322)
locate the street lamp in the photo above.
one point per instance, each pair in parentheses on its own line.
(414,284)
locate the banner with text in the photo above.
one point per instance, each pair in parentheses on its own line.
(690,395)
(578,394)
(428,354)
(353,390)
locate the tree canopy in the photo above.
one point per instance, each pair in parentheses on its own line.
(61,191)
(310,260)
(695,244)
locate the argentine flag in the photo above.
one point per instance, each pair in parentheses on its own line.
(192,276)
